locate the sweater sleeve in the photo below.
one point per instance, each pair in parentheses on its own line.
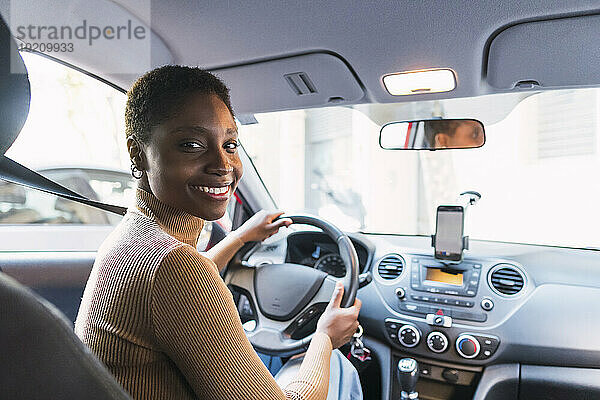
(197,325)
(224,251)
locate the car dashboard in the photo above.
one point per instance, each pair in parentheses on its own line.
(518,314)
(317,250)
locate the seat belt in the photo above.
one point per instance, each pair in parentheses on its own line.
(12,171)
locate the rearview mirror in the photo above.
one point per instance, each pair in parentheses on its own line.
(432,134)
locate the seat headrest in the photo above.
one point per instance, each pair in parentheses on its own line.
(14,89)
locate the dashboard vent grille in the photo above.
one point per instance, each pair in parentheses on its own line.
(507,279)
(390,267)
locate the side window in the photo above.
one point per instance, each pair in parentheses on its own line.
(74,135)
(22,205)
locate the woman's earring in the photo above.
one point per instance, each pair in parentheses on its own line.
(135,172)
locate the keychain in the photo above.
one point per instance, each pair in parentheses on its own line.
(358,350)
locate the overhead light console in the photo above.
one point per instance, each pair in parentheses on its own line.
(433,80)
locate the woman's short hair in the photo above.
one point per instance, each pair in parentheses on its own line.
(157,95)
(435,126)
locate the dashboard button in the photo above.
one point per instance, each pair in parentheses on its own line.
(439,320)
(437,342)
(392,326)
(467,346)
(487,304)
(400,293)
(415,308)
(409,335)
(450,375)
(441,311)
(489,343)
(452,292)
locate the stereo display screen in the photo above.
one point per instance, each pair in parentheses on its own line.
(437,275)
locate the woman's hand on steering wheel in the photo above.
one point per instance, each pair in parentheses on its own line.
(339,323)
(261,226)
(280,311)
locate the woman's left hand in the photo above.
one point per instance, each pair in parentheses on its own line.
(261,226)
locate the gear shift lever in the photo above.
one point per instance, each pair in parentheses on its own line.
(408,374)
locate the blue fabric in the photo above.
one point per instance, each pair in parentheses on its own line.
(344,382)
(272,363)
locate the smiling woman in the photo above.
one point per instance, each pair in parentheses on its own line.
(168,310)
(190,161)
(182,137)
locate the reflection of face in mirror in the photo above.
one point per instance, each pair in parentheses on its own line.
(454,134)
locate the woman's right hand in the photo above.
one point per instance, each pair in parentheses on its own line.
(339,323)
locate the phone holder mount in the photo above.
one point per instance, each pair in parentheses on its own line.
(468,198)
(449,262)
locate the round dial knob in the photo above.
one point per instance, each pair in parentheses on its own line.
(400,293)
(409,335)
(437,342)
(467,346)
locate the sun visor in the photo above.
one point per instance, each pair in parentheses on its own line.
(107,39)
(14,90)
(557,53)
(304,81)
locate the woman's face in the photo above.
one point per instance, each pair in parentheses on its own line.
(466,134)
(192,162)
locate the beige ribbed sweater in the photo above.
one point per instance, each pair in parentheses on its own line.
(160,317)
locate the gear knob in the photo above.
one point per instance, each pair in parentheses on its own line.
(408,374)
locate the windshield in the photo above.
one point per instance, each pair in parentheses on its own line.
(537,172)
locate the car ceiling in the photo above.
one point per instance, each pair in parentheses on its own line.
(374,38)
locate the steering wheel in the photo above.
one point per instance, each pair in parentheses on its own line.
(288,298)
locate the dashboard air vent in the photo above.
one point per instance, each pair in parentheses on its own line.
(391,266)
(506,279)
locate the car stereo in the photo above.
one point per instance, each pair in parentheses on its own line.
(428,275)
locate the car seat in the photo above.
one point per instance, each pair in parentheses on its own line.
(41,358)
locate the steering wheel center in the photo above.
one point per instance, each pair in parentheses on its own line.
(282,290)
